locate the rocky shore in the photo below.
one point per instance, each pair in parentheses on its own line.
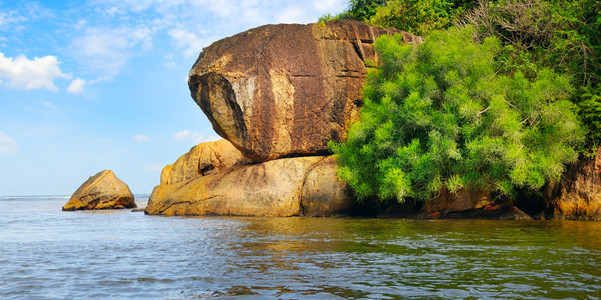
(277,94)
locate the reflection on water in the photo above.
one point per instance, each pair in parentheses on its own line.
(47,253)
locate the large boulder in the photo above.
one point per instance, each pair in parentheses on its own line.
(577,196)
(269,189)
(284,187)
(287,89)
(202,160)
(101,191)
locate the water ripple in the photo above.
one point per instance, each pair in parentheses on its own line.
(50,254)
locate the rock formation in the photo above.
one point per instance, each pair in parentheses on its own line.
(277,188)
(101,191)
(279,93)
(288,89)
(461,204)
(578,195)
(202,160)
(323,194)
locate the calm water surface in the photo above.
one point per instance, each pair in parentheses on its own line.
(46,253)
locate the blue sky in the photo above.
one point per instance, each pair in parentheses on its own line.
(101,84)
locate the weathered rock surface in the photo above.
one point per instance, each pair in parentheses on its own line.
(463,204)
(284,187)
(101,191)
(461,200)
(323,194)
(288,89)
(215,179)
(269,189)
(578,195)
(202,160)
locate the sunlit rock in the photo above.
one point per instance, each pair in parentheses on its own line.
(286,89)
(577,196)
(101,191)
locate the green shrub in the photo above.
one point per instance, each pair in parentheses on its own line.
(439,114)
(415,16)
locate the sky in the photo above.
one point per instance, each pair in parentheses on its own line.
(90,85)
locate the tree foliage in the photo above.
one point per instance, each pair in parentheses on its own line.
(418,16)
(359,10)
(564,35)
(440,114)
(415,16)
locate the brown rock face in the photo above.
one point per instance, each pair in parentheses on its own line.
(323,194)
(459,201)
(463,204)
(578,195)
(472,204)
(288,89)
(283,187)
(101,191)
(202,160)
(269,189)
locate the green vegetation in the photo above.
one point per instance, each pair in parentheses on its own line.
(415,16)
(500,105)
(439,115)
(562,35)
(360,10)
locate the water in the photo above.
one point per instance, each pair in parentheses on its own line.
(46,254)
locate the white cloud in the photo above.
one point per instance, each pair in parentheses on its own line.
(76,86)
(106,51)
(212,138)
(38,73)
(155,168)
(330,6)
(123,29)
(47,104)
(193,136)
(291,15)
(141,138)
(188,135)
(7,144)
(10,17)
(188,41)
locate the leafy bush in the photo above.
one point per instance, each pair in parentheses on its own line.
(359,10)
(416,16)
(564,35)
(439,115)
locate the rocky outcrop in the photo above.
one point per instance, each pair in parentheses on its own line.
(278,94)
(323,194)
(459,201)
(577,196)
(202,160)
(230,186)
(101,191)
(267,189)
(275,188)
(462,204)
(288,89)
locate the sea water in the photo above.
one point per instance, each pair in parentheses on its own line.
(46,253)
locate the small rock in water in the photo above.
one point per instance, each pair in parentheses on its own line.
(101,191)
